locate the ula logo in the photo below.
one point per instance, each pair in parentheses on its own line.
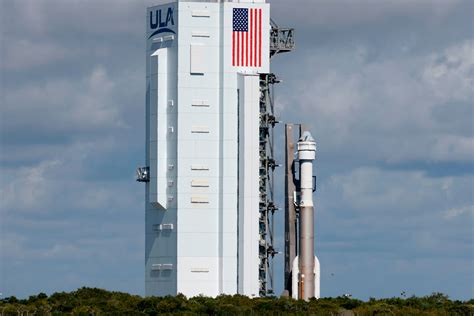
(160,22)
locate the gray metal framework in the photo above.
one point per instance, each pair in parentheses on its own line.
(281,41)
(143,174)
(266,184)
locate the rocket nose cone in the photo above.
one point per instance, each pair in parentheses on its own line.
(307,137)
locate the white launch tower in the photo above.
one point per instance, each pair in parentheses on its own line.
(208,147)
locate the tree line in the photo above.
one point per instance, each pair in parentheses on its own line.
(94,301)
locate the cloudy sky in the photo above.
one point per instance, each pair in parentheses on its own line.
(386,87)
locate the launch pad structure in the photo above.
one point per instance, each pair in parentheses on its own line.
(281,41)
(210,153)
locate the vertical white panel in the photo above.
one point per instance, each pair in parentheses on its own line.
(248,212)
(160,246)
(198,142)
(159,128)
(198,59)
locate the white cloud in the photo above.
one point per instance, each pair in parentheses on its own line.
(15,246)
(394,194)
(23,54)
(345,13)
(29,190)
(450,74)
(459,211)
(44,18)
(451,147)
(65,106)
(58,185)
(399,214)
(388,109)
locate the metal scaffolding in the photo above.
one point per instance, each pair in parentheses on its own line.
(266,184)
(281,41)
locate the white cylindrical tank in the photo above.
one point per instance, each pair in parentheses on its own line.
(306,154)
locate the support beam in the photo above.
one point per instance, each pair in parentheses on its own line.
(290,212)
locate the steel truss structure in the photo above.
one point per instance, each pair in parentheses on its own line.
(281,41)
(266,184)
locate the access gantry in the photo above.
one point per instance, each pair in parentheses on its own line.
(281,41)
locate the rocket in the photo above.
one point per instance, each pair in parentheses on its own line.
(302,268)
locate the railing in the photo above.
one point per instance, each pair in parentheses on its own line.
(281,40)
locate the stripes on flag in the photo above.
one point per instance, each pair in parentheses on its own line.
(247,37)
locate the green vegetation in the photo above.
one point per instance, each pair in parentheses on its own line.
(92,301)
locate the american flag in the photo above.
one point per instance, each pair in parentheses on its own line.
(247,37)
